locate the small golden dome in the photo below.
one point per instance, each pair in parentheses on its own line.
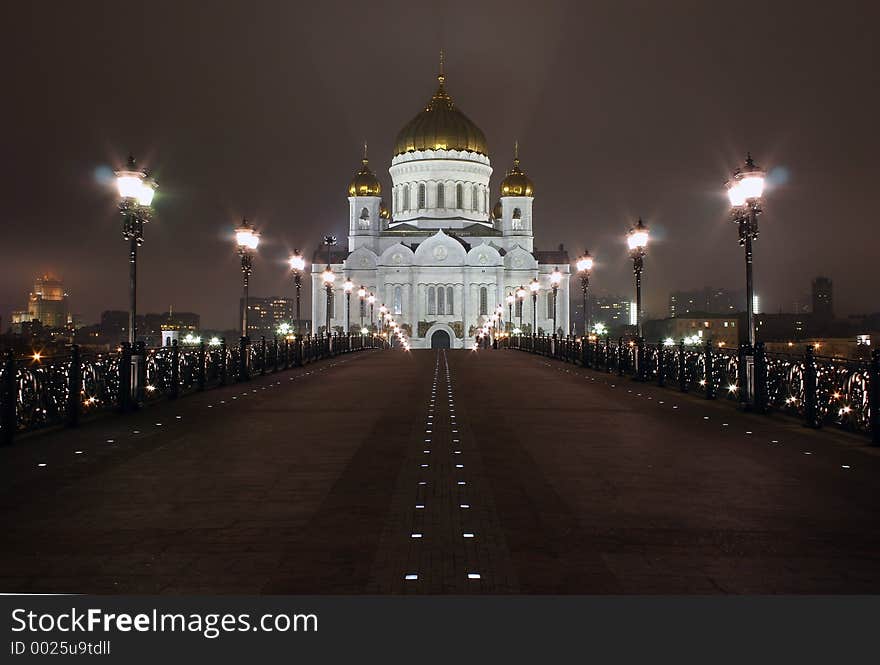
(496,211)
(516,182)
(441,126)
(364,182)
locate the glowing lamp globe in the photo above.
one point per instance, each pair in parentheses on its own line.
(585,263)
(297,262)
(328,277)
(555,278)
(637,238)
(348,286)
(246,237)
(534,286)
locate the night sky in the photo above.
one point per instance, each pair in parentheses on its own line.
(257,108)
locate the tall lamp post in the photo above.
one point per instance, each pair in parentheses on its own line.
(585,267)
(297,265)
(383,312)
(521,295)
(362,302)
(555,279)
(247,239)
(637,240)
(328,278)
(372,300)
(136,190)
(347,287)
(745,190)
(534,287)
(510,300)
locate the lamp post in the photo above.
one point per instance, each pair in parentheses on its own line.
(347,287)
(555,279)
(521,294)
(534,287)
(585,267)
(383,312)
(297,265)
(372,300)
(745,190)
(362,297)
(247,239)
(328,278)
(136,190)
(637,240)
(510,300)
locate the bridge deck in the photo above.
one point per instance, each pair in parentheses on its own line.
(314,481)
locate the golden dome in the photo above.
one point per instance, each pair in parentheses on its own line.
(364,182)
(441,126)
(517,183)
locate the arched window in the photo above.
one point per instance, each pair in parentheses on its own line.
(364,220)
(398,300)
(459,196)
(484,301)
(449,309)
(422,197)
(475,198)
(485,200)
(441,196)
(517,219)
(549,304)
(405,197)
(396,199)
(517,309)
(432,301)
(441,300)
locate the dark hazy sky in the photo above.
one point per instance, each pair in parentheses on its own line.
(260,108)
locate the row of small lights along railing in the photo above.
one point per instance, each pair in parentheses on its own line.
(818,390)
(37,392)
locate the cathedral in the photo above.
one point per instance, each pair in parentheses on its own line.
(442,259)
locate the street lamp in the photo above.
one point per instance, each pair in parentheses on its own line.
(745,190)
(328,278)
(362,296)
(555,279)
(637,240)
(247,239)
(347,287)
(534,287)
(136,190)
(383,313)
(521,294)
(510,300)
(585,267)
(372,300)
(297,265)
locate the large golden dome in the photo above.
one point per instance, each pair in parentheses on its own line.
(516,182)
(441,126)
(364,182)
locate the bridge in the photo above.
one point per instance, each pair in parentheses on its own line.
(540,466)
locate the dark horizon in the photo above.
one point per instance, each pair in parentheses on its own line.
(262,111)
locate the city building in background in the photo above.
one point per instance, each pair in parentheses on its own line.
(710,300)
(722,329)
(265,315)
(47,303)
(823,299)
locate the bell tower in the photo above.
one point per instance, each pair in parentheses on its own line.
(366,213)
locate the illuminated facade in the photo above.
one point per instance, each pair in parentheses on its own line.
(47,303)
(442,258)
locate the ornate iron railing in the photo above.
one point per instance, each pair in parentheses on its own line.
(820,391)
(61,390)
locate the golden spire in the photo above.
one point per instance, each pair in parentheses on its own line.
(442,76)
(516,153)
(365,153)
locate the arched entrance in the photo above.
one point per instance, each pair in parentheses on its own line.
(440,340)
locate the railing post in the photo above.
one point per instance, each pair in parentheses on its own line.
(223,364)
(682,369)
(200,371)
(174,390)
(286,347)
(760,396)
(123,398)
(8,399)
(621,369)
(811,418)
(243,359)
(640,359)
(709,373)
(74,387)
(141,378)
(661,364)
(262,355)
(874,396)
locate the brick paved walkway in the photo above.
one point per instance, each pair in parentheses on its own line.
(313,481)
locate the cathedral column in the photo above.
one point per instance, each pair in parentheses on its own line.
(460,307)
